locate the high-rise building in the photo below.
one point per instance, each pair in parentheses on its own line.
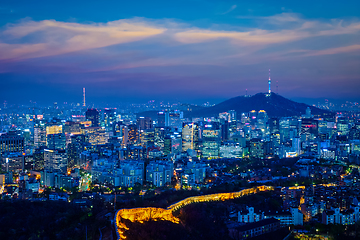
(53,128)
(12,162)
(211,140)
(39,134)
(190,137)
(159,136)
(144,123)
(93,115)
(55,160)
(56,141)
(39,159)
(133,134)
(11,142)
(109,118)
(161,119)
(257,148)
(173,119)
(309,129)
(342,125)
(75,147)
(95,135)
(147,137)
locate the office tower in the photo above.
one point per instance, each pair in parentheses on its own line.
(75,148)
(147,137)
(55,160)
(159,136)
(225,133)
(39,159)
(211,140)
(257,148)
(56,141)
(172,143)
(161,119)
(274,125)
(54,128)
(342,125)
(133,134)
(95,135)
(93,115)
(309,129)
(173,119)
(190,137)
(12,162)
(109,118)
(11,142)
(233,115)
(144,123)
(72,128)
(225,115)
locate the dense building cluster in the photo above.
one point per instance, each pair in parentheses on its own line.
(79,148)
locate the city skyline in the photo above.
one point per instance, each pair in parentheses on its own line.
(183,52)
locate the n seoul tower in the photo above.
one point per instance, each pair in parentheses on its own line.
(269,83)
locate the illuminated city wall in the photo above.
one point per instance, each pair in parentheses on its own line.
(150,213)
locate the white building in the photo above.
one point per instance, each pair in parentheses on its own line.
(250,216)
(336,216)
(294,217)
(159,172)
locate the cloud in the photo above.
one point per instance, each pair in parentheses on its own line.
(331,51)
(232,8)
(144,43)
(62,37)
(257,36)
(276,19)
(253,37)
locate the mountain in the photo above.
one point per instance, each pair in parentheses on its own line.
(274,105)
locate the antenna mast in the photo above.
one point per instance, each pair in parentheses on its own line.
(269,82)
(84,103)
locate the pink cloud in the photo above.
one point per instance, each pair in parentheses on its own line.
(61,37)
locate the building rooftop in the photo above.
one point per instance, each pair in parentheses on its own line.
(257,224)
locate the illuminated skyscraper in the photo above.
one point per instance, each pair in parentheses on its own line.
(53,128)
(11,142)
(56,141)
(190,136)
(109,118)
(144,123)
(39,134)
(93,115)
(95,135)
(55,160)
(211,140)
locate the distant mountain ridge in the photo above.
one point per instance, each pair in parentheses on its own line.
(274,105)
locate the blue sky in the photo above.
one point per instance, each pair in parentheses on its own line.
(177,50)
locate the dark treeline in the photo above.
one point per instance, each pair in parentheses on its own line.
(47,220)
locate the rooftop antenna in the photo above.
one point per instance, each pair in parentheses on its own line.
(277,87)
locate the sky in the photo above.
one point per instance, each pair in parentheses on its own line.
(177,50)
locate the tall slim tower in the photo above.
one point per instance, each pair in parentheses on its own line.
(269,82)
(84,103)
